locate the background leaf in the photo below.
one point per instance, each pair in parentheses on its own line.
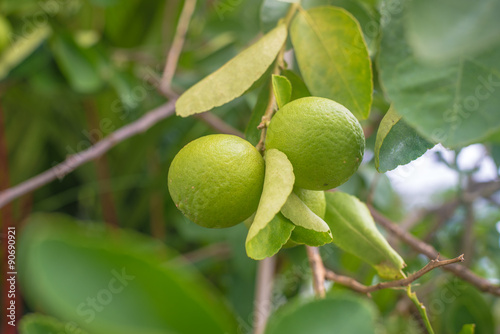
(455,103)
(271,11)
(282,90)
(334,314)
(252,134)
(397,143)
(445,29)
(468,329)
(235,77)
(333,57)
(135,288)
(354,231)
(310,228)
(278,184)
(35,323)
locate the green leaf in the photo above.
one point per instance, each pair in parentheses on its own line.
(252,134)
(35,323)
(299,88)
(270,239)
(446,29)
(454,103)
(310,228)
(468,329)
(235,77)
(397,143)
(355,232)
(21,49)
(278,184)
(282,89)
(271,11)
(340,313)
(333,57)
(132,279)
(75,64)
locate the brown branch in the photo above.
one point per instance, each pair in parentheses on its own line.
(264,288)
(177,44)
(429,251)
(355,285)
(318,270)
(93,152)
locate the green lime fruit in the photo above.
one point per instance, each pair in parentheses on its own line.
(321,138)
(315,200)
(216,181)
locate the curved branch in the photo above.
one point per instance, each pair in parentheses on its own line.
(355,285)
(95,151)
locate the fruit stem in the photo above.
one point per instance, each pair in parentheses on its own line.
(279,64)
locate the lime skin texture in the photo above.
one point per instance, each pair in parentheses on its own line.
(321,138)
(216,180)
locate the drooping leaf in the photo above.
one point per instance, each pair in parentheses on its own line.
(455,103)
(270,239)
(21,48)
(333,57)
(446,29)
(252,134)
(468,329)
(355,232)
(339,313)
(397,143)
(235,77)
(132,279)
(282,90)
(278,184)
(310,228)
(35,323)
(299,88)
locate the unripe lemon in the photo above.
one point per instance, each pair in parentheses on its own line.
(216,181)
(321,138)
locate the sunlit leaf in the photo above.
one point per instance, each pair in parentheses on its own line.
(355,232)
(397,143)
(299,88)
(333,57)
(282,90)
(235,77)
(468,329)
(278,184)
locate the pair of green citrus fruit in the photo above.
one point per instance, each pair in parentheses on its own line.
(217,180)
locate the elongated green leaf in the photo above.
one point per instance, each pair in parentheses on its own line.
(397,143)
(455,103)
(333,57)
(282,90)
(235,77)
(446,29)
(35,323)
(340,313)
(22,47)
(111,282)
(252,134)
(310,228)
(278,184)
(299,88)
(356,233)
(75,64)
(468,329)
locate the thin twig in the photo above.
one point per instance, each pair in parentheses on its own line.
(429,251)
(177,44)
(468,234)
(354,285)
(263,293)
(318,270)
(93,152)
